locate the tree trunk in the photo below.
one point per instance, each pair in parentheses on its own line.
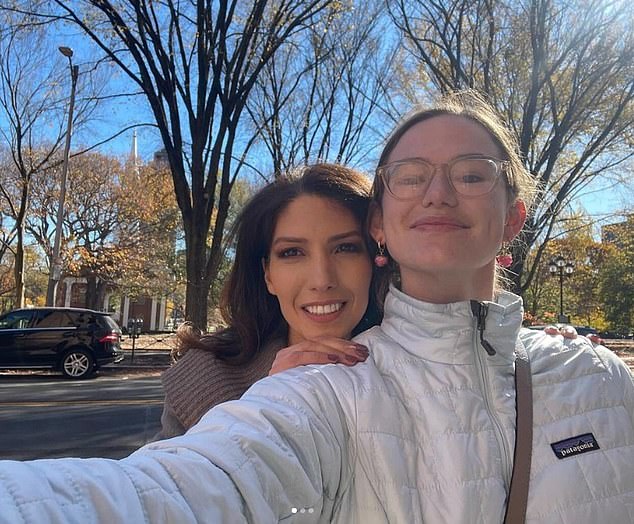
(197,291)
(19,268)
(20,220)
(100,295)
(91,292)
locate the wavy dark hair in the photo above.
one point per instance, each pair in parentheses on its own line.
(252,315)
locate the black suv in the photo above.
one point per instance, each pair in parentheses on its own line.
(73,341)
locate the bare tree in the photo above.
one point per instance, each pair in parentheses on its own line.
(324,97)
(561,73)
(197,63)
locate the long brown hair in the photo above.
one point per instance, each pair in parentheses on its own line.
(252,315)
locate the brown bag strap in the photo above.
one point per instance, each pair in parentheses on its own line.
(518,492)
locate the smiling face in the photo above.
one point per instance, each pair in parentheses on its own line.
(445,243)
(318,268)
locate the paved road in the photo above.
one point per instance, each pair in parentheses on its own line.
(46,416)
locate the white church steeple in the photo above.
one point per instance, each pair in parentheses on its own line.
(134,156)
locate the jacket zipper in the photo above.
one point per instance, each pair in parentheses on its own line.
(480,311)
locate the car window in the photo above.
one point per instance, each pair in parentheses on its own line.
(108,322)
(88,320)
(52,318)
(16,320)
(78,318)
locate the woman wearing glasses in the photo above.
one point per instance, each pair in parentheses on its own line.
(425,429)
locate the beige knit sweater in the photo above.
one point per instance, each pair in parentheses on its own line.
(199,381)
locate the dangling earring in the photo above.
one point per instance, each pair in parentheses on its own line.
(380,260)
(504,259)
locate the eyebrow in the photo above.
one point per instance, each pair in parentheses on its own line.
(334,238)
(457,157)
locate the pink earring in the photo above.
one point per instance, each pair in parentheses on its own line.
(504,259)
(380,260)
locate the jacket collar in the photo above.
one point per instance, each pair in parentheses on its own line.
(447,333)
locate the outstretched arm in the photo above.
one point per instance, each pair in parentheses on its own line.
(280,449)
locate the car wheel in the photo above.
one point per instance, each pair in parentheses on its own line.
(77,363)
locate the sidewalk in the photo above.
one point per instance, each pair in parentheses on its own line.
(151,351)
(145,362)
(145,358)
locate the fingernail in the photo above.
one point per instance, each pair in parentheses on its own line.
(351,359)
(333,358)
(362,353)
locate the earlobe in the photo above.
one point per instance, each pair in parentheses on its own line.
(515,219)
(267,280)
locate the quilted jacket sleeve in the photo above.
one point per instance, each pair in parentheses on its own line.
(278,453)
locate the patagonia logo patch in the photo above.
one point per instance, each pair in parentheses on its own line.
(575,445)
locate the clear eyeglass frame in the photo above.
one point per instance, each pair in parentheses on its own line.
(489,168)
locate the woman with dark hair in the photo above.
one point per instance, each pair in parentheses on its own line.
(458,414)
(221,366)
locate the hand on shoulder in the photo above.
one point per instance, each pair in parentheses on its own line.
(321,350)
(566,331)
(570,332)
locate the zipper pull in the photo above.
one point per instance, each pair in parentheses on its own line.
(480,311)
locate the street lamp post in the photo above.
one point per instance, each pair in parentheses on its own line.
(56,262)
(564,268)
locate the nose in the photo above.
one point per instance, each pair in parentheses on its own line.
(439,191)
(323,273)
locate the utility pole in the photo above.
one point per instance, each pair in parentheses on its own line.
(56,261)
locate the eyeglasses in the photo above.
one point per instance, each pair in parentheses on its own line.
(468,176)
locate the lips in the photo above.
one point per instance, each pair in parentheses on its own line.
(437,223)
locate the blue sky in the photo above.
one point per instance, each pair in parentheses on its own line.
(599,199)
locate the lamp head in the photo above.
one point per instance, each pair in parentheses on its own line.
(66,51)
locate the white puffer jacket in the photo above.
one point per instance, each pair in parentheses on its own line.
(421,432)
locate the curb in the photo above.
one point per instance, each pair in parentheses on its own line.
(156,360)
(133,366)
